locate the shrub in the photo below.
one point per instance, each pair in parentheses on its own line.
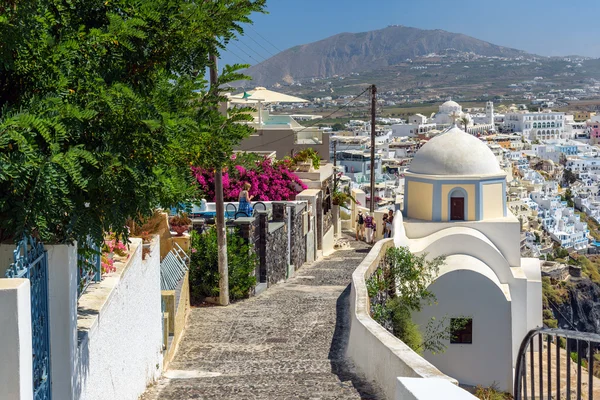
(269,181)
(491,393)
(307,155)
(547,314)
(551,323)
(392,308)
(553,294)
(573,356)
(404,328)
(204,266)
(145,225)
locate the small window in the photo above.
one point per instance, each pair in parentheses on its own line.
(461,330)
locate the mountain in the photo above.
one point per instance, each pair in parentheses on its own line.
(347,53)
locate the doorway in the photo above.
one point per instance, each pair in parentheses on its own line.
(457,209)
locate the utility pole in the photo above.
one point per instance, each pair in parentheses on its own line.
(335,164)
(220,210)
(373,111)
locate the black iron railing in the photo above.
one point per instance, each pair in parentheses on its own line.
(556,364)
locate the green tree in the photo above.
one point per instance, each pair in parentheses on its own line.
(562,159)
(103,107)
(204,270)
(465,122)
(569,177)
(338,127)
(568,197)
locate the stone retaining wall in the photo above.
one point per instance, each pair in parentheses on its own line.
(298,239)
(276,252)
(270,240)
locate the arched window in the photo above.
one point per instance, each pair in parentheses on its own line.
(457,204)
(535,125)
(553,125)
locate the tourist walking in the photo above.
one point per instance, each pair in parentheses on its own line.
(370,228)
(384,231)
(360,226)
(244,200)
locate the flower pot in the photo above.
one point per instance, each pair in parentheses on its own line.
(179,229)
(304,167)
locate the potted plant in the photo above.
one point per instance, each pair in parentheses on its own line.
(306,160)
(342,197)
(180,223)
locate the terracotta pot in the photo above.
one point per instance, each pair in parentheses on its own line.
(304,167)
(179,229)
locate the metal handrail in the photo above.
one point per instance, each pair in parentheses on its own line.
(227,212)
(578,339)
(259,203)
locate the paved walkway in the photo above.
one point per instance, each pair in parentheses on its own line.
(287,343)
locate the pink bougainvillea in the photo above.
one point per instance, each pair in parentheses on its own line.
(269,181)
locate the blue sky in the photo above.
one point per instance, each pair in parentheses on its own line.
(550,28)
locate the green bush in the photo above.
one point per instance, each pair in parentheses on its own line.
(562,342)
(555,294)
(392,308)
(551,323)
(491,393)
(204,266)
(573,355)
(590,269)
(404,328)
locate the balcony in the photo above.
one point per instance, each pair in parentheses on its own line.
(310,135)
(303,135)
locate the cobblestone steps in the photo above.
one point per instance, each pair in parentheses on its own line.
(287,343)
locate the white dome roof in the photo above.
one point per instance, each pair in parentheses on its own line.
(455,152)
(450,103)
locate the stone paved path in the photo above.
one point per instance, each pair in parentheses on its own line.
(287,343)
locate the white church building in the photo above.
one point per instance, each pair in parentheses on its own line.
(455,205)
(451,110)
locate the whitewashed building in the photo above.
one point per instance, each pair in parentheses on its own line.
(561,222)
(413,129)
(455,205)
(536,125)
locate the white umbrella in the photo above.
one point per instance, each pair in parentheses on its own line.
(265,95)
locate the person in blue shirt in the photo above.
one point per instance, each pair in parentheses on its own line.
(244,200)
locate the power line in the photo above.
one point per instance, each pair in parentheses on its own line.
(251,38)
(316,121)
(565,318)
(246,53)
(240,58)
(252,50)
(265,39)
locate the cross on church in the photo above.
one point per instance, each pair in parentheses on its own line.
(454,116)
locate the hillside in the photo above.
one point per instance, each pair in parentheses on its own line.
(348,53)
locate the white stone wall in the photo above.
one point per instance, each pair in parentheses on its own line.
(122,351)
(15,344)
(479,298)
(428,389)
